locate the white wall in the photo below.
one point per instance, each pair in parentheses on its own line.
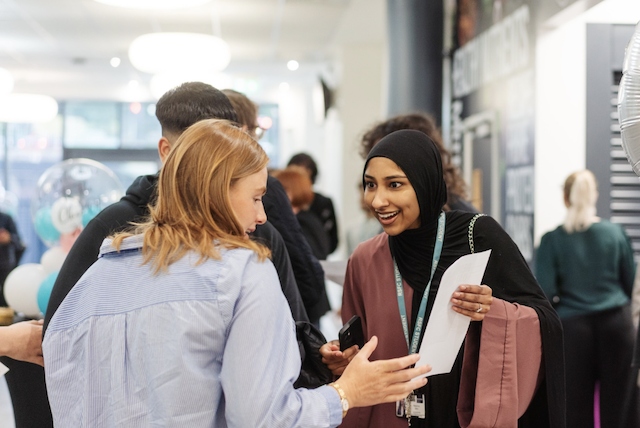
(360,104)
(560,119)
(561,104)
(359,81)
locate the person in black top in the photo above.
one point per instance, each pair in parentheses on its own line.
(322,206)
(297,184)
(11,249)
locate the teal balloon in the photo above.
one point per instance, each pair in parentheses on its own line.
(44,292)
(89,213)
(44,226)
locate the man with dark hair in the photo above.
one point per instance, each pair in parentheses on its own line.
(176,110)
(246,110)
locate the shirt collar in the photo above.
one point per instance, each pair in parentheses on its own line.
(131,243)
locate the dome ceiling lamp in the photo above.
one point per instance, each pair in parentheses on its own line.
(165,52)
(6,81)
(27,108)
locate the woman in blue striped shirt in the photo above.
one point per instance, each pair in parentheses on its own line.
(181,322)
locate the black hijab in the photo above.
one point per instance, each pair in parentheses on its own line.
(418,157)
(507,273)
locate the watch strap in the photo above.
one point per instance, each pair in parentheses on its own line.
(343,399)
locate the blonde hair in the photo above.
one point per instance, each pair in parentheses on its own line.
(193,210)
(580,195)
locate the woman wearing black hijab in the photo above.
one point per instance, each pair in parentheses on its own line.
(512,374)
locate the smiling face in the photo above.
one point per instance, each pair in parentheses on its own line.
(390,196)
(246,200)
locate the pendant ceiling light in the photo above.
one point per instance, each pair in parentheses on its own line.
(6,81)
(165,52)
(27,108)
(154,4)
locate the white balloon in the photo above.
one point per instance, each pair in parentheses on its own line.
(66,215)
(21,288)
(52,259)
(629,102)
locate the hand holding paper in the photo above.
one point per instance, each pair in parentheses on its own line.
(446,328)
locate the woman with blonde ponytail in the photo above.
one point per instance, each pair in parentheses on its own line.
(580,197)
(586,269)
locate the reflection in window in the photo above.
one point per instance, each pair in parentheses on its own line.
(110,125)
(140,127)
(91,124)
(269,123)
(34,142)
(30,149)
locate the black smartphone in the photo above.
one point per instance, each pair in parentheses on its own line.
(351,334)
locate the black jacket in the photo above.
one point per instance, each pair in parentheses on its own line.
(322,206)
(314,232)
(10,252)
(306,267)
(133,207)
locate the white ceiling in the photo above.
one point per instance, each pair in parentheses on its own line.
(62,48)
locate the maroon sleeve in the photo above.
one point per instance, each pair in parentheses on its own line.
(507,345)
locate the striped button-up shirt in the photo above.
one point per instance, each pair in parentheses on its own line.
(200,345)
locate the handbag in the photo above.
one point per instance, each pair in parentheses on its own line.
(314,372)
(472,223)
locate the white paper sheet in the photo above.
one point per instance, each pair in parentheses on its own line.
(334,270)
(3,369)
(446,328)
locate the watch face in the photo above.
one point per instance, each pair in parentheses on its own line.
(345,405)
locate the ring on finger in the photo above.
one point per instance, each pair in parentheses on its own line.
(479,308)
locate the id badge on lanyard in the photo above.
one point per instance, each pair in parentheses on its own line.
(411,407)
(414,404)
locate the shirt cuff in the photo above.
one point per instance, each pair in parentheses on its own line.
(333,402)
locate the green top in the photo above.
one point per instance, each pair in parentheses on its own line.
(586,272)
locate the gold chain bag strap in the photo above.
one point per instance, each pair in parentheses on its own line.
(472,223)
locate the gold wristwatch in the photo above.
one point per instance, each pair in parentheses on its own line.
(343,399)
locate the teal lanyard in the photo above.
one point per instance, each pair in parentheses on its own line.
(413,347)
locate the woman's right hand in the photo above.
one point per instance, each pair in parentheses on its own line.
(366,383)
(335,359)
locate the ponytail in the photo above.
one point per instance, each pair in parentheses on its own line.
(581,195)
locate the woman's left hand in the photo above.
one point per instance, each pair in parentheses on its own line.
(473,301)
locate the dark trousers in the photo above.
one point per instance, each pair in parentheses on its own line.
(598,348)
(28,394)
